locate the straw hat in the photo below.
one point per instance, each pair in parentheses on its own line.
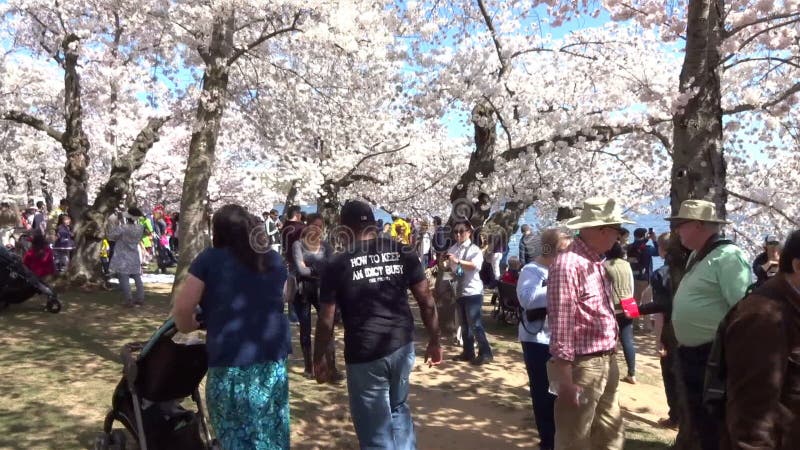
(699,210)
(597,212)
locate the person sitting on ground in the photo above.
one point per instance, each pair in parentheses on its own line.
(39,258)
(238,288)
(512,274)
(765,266)
(762,410)
(126,261)
(619,271)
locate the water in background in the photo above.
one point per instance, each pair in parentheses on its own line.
(656,222)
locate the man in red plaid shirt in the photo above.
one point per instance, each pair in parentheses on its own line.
(583,368)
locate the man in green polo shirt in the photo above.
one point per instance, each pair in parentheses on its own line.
(717,277)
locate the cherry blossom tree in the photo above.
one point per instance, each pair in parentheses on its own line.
(100,50)
(554,119)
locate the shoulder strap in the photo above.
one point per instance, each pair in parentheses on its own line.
(705,251)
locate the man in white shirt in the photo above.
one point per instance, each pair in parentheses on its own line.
(465,260)
(272,226)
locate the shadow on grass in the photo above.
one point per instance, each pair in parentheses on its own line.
(58,371)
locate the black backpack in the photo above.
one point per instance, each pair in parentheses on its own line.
(487,275)
(715,387)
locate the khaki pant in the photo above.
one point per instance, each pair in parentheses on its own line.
(597,423)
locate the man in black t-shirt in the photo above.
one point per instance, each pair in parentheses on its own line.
(369,283)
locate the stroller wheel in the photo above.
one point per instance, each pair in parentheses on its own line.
(53,305)
(116,440)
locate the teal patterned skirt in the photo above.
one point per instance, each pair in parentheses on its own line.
(249,406)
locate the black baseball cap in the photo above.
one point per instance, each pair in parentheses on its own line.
(771,239)
(355,213)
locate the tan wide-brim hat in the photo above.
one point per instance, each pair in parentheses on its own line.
(699,210)
(597,212)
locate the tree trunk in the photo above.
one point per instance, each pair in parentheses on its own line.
(11,182)
(89,233)
(328,204)
(203,145)
(481,164)
(698,169)
(291,196)
(508,219)
(29,190)
(74,140)
(44,185)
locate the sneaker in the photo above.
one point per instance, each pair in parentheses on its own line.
(464,357)
(482,359)
(128,303)
(630,379)
(138,303)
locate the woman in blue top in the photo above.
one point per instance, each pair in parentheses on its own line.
(239,286)
(534,334)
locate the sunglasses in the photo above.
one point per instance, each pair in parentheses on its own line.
(461,231)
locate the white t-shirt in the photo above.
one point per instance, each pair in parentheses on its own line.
(471,283)
(532,294)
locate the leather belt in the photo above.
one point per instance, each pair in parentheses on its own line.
(601,353)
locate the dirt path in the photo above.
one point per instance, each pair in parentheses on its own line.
(458,406)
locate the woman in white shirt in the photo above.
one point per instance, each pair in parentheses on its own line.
(534,333)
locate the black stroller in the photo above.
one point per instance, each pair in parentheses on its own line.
(18,284)
(156,377)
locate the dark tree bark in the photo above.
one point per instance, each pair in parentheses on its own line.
(44,185)
(291,197)
(74,140)
(328,204)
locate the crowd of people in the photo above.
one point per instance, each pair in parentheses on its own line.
(582,291)
(46,241)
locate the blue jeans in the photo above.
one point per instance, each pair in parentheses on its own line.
(536,356)
(469,313)
(378,392)
(628,347)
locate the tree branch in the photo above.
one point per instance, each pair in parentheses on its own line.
(504,67)
(500,118)
(34,122)
(749,107)
(765,204)
(265,37)
(350,173)
(735,30)
(767,58)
